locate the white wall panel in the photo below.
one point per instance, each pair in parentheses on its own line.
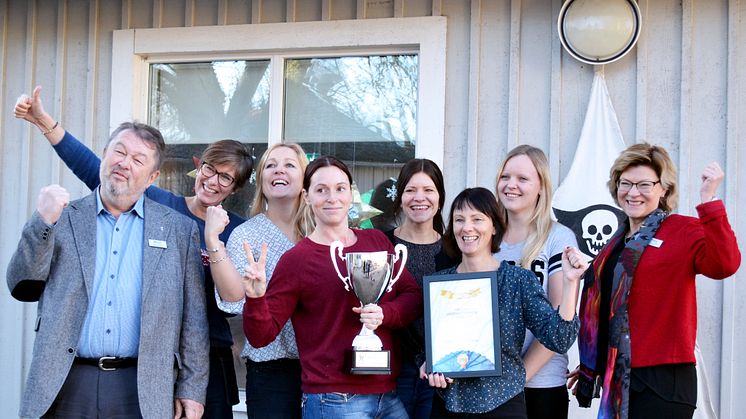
(303,10)
(732,377)
(166,14)
(338,9)
(150,13)
(237,11)
(413,8)
(702,139)
(269,11)
(457,95)
(659,73)
(492,46)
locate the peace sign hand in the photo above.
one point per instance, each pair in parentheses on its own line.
(255,276)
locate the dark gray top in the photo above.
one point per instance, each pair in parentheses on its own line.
(422,260)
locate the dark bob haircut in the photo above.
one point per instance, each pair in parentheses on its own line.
(479,199)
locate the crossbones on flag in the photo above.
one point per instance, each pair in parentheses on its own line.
(582,201)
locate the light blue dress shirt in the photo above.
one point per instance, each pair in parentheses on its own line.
(112,322)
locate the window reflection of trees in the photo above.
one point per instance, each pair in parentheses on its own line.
(362,110)
(378,93)
(201,102)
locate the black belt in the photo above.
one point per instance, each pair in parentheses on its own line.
(108,363)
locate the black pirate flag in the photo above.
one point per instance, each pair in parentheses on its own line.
(582,202)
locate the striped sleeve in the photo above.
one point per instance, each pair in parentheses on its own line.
(559,238)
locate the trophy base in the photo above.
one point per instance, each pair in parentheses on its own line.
(370,362)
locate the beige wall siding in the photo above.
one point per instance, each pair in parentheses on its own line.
(508,82)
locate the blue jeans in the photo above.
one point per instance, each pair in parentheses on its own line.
(414,392)
(352,406)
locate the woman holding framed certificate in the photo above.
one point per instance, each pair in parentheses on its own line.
(532,240)
(474,233)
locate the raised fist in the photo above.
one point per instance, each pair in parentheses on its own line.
(712,176)
(215,221)
(52,200)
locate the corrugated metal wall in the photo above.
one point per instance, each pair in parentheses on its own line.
(508,83)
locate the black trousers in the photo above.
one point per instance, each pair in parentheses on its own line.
(514,408)
(222,389)
(547,403)
(89,393)
(646,404)
(273,389)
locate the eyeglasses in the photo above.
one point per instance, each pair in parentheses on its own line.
(645,186)
(224,179)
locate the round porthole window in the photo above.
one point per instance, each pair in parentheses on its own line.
(599,31)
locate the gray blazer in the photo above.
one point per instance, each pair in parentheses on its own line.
(55,266)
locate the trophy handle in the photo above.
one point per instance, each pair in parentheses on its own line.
(334,250)
(400,254)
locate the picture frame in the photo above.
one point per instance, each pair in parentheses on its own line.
(462,324)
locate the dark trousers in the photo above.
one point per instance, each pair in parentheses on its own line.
(646,404)
(415,393)
(89,393)
(273,389)
(222,389)
(547,403)
(514,408)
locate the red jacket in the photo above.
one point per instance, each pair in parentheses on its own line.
(663,299)
(305,286)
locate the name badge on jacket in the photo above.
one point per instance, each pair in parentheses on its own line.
(157,243)
(656,242)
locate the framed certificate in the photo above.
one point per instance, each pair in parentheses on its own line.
(462,324)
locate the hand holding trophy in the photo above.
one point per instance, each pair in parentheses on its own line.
(369,274)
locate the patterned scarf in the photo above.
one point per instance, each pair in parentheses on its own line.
(615,400)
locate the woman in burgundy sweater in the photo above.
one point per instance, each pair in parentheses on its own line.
(638,311)
(306,289)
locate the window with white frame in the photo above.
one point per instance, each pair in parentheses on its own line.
(360,109)
(371,92)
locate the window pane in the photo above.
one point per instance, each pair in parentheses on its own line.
(362,110)
(195,104)
(358,99)
(201,102)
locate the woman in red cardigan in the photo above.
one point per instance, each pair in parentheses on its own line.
(638,310)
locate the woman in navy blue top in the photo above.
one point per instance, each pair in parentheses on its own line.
(225,167)
(474,233)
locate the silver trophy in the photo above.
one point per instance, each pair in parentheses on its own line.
(369,275)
